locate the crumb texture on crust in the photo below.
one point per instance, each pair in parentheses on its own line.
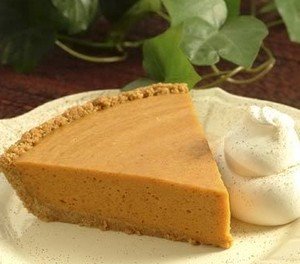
(33,136)
(46,212)
(52,215)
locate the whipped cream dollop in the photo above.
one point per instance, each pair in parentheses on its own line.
(260,164)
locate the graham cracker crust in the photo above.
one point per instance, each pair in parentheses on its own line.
(35,135)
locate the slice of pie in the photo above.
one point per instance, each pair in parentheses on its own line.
(137,162)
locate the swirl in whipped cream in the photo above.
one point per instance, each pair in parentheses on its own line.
(260,165)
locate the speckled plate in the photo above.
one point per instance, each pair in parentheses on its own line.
(25,239)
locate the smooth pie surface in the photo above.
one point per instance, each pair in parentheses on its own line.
(155,137)
(142,167)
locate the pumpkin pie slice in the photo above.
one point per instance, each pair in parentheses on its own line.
(137,162)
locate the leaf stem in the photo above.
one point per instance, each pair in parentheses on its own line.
(215,68)
(268,7)
(222,78)
(163,15)
(227,76)
(253,79)
(274,23)
(103,45)
(87,43)
(214,74)
(89,58)
(133,44)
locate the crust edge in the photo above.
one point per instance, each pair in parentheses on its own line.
(30,138)
(110,224)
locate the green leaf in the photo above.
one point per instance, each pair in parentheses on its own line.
(114,9)
(290,13)
(137,12)
(24,50)
(142,82)
(233,7)
(78,13)
(238,41)
(164,61)
(212,11)
(27,32)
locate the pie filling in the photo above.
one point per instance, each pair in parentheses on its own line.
(140,166)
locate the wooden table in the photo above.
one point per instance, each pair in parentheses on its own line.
(61,75)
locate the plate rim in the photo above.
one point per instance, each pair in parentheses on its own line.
(215,91)
(220,93)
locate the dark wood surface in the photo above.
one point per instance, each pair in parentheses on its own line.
(60,75)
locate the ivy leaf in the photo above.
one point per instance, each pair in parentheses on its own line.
(290,13)
(78,13)
(113,10)
(233,7)
(164,61)
(27,32)
(138,11)
(213,12)
(237,41)
(137,83)
(25,49)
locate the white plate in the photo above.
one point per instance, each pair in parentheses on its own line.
(25,239)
